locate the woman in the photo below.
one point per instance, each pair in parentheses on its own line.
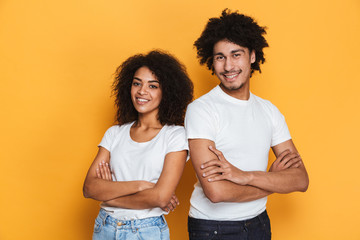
(146,151)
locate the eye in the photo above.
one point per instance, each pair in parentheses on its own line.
(153,86)
(136,84)
(219,58)
(236,55)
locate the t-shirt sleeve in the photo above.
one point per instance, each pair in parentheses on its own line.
(177,141)
(108,138)
(200,122)
(280,129)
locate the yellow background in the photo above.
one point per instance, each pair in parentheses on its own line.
(57,60)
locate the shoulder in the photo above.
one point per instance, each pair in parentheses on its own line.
(117,130)
(266,105)
(173,130)
(203,104)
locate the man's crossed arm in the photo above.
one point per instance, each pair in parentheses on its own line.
(223,182)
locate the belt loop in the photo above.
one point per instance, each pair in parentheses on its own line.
(104,218)
(132,226)
(163,219)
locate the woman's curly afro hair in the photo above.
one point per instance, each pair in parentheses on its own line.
(234,27)
(176,86)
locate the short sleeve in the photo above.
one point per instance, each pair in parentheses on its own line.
(280,129)
(108,138)
(177,141)
(200,122)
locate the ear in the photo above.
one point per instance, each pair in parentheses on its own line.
(252,56)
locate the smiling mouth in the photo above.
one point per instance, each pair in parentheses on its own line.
(231,75)
(142,100)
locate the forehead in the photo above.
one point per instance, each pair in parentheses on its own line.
(227,47)
(144,73)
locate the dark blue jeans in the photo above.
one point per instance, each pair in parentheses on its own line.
(257,228)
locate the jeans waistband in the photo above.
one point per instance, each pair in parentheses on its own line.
(261,217)
(130,224)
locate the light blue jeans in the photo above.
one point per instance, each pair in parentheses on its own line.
(107,227)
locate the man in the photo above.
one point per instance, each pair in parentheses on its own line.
(230,132)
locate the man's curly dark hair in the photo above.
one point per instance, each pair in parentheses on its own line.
(176,86)
(237,28)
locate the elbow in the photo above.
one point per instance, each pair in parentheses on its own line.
(213,195)
(304,185)
(86,191)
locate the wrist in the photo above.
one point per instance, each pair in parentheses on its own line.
(250,176)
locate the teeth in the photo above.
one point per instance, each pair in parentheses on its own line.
(231,76)
(142,100)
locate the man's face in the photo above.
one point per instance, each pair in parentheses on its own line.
(232,64)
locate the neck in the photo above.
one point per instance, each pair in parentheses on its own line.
(242,93)
(148,121)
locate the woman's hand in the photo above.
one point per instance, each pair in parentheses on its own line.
(103,171)
(174,201)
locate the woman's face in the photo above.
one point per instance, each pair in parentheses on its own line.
(145,91)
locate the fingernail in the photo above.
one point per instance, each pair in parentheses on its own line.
(204,174)
(209,180)
(210,147)
(202,166)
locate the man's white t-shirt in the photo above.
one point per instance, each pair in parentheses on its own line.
(244,131)
(130,161)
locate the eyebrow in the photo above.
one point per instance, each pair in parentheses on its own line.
(151,81)
(233,51)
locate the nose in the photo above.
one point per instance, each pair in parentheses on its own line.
(142,90)
(228,64)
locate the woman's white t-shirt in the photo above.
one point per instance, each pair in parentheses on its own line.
(130,161)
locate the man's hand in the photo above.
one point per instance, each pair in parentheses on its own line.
(286,160)
(223,170)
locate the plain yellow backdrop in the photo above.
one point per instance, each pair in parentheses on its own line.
(57,60)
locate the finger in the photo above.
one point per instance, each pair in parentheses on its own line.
(170,206)
(101,171)
(211,163)
(288,158)
(296,165)
(98,173)
(173,204)
(218,170)
(176,199)
(218,153)
(283,154)
(292,161)
(107,171)
(217,178)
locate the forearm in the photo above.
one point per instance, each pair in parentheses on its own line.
(149,198)
(286,181)
(226,191)
(103,190)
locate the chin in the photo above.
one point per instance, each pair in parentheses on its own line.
(233,87)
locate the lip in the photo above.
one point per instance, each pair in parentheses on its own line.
(230,77)
(141,101)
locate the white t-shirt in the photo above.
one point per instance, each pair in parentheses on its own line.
(244,131)
(130,161)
